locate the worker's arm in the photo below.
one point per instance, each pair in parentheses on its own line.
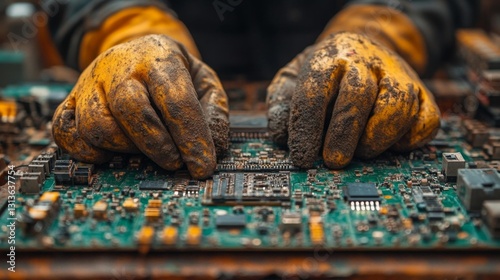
(139,92)
(356,91)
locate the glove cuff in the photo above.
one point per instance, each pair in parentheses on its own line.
(385,25)
(131,23)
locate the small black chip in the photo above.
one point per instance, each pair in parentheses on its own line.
(435,216)
(193,186)
(193,183)
(361,192)
(230,221)
(153,185)
(362,196)
(432,204)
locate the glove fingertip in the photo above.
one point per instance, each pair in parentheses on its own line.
(219,127)
(278,123)
(302,151)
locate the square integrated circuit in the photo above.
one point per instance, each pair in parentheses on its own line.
(362,196)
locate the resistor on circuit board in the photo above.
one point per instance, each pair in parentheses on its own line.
(316,230)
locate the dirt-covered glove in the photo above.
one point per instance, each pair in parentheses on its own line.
(350,95)
(148,95)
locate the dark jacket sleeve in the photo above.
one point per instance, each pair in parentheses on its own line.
(74,18)
(437,20)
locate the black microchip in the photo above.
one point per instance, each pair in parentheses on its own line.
(193,186)
(230,221)
(432,204)
(153,185)
(433,216)
(361,192)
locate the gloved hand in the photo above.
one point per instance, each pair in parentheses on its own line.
(349,95)
(148,95)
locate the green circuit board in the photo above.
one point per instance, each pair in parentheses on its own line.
(258,200)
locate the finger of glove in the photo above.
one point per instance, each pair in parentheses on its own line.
(425,127)
(130,105)
(173,93)
(213,101)
(67,137)
(97,125)
(279,97)
(317,86)
(394,113)
(357,94)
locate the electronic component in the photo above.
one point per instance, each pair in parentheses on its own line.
(192,189)
(474,186)
(291,221)
(154,203)
(193,235)
(153,185)
(362,196)
(83,173)
(99,210)
(145,237)
(245,127)
(40,216)
(249,188)
(135,162)
(316,231)
(254,155)
(272,160)
(476,133)
(117,162)
(50,157)
(170,235)
(492,148)
(152,213)
(451,163)
(38,169)
(79,210)
(130,205)
(230,221)
(41,164)
(50,197)
(427,200)
(31,183)
(491,216)
(64,171)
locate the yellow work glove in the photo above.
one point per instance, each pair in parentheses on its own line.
(351,94)
(148,95)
